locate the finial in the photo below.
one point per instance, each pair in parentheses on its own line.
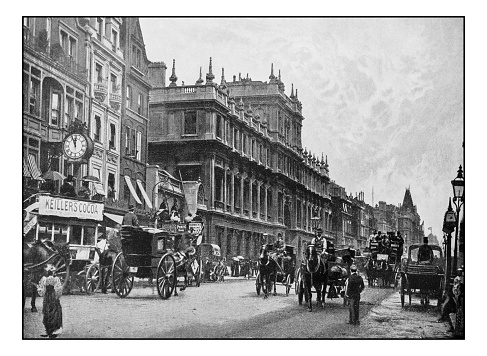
(200,80)
(239,77)
(322,161)
(210,76)
(292,91)
(223,84)
(173,78)
(272,76)
(296,94)
(279,75)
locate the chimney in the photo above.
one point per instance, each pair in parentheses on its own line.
(157,74)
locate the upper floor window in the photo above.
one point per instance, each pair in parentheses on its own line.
(129,97)
(112,136)
(140,104)
(244,143)
(127,140)
(68,43)
(189,123)
(97,130)
(32,90)
(219,129)
(113,82)
(114,40)
(138,153)
(136,57)
(55,108)
(99,72)
(99,27)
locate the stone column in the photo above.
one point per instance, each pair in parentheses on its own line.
(212,182)
(251,186)
(225,197)
(242,182)
(232,195)
(259,184)
(266,187)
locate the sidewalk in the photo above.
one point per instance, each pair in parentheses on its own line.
(391,321)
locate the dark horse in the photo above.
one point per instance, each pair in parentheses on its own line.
(315,275)
(267,271)
(35,257)
(379,269)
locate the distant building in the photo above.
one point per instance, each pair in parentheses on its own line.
(409,221)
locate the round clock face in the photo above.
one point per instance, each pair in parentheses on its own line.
(75,146)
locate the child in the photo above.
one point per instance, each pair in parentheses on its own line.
(51,289)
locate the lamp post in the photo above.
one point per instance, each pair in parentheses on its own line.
(458,185)
(449,223)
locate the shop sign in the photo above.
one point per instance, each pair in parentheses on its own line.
(70,208)
(30,225)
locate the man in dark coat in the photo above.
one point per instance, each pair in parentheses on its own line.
(425,252)
(67,188)
(354,286)
(130,218)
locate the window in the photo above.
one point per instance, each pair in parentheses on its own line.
(97,128)
(140,102)
(261,154)
(112,136)
(252,149)
(48,28)
(134,143)
(139,145)
(236,138)
(127,140)
(99,73)
(244,143)
(34,93)
(111,186)
(114,40)
(55,108)
(190,173)
(113,82)
(129,97)
(219,132)
(78,111)
(99,27)
(189,123)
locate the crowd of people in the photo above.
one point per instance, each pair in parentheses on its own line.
(385,242)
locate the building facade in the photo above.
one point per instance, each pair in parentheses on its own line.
(56,94)
(242,141)
(409,222)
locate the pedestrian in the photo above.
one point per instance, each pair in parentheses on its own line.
(354,286)
(130,218)
(67,189)
(51,288)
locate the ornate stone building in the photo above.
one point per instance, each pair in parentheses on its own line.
(242,139)
(409,221)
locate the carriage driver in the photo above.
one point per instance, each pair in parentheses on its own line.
(320,242)
(279,251)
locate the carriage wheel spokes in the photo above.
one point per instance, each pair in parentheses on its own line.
(258,283)
(288,284)
(166,276)
(62,269)
(122,278)
(93,278)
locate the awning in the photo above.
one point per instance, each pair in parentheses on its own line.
(99,188)
(25,169)
(144,194)
(131,188)
(34,170)
(117,218)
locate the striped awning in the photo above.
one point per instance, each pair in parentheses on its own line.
(25,169)
(144,194)
(99,188)
(34,170)
(132,189)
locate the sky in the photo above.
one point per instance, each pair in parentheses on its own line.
(382,97)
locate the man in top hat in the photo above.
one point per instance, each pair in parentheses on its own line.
(279,251)
(130,218)
(67,188)
(353,287)
(425,252)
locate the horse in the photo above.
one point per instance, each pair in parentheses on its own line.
(315,275)
(35,257)
(267,270)
(380,269)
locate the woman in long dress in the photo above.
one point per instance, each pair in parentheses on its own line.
(51,288)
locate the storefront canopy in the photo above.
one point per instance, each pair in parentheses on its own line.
(132,189)
(144,194)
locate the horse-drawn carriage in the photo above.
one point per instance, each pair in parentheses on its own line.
(278,270)
(327,276)
(384,261)
(213,263)
(423,278)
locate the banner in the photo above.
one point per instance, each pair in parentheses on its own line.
(70,208)
(191,195)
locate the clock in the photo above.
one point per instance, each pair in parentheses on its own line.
(77,146)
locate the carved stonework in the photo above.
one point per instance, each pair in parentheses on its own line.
(98,152)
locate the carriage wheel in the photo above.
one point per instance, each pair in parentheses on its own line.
(300,292)
(288,284)
(122,279)
(297,279)
(166,276)
(403,290)
(257,283)
(92,278)
(61,269)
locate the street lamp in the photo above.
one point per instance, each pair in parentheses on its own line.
(458,185)
(449,223)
